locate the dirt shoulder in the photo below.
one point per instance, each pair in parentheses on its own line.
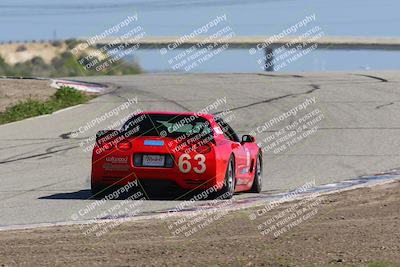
(357,226)
(14,90)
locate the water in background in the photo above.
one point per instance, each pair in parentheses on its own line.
(47,19)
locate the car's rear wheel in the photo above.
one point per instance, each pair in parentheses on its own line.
(228,188)
(257,182)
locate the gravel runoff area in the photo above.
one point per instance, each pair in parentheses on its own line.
(352,227)
(14,90)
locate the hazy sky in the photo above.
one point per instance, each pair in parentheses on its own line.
(42,19)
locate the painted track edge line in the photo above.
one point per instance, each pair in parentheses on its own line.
(161,215)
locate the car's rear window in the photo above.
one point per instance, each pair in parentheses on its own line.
(165,125)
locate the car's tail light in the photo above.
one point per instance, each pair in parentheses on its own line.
(124,145)
(203,149)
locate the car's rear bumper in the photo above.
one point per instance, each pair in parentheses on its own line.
(154,182)
(119,174)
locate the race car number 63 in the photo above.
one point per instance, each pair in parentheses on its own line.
(185,166)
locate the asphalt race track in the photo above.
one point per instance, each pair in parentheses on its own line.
(44,172)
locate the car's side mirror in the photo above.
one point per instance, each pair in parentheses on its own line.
(248,139)
(105,136)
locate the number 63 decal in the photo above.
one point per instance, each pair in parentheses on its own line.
(185,166)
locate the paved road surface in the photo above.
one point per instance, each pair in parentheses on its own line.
(44,172)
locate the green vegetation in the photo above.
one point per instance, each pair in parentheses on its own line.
(382,264)
(64,65)
(63,98)
(71,43)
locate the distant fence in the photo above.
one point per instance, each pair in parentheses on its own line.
(247,42)
(240,42)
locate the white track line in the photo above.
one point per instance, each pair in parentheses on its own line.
(183,213)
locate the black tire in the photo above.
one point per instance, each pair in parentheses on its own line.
(227,191)
(257,181)
(98,191)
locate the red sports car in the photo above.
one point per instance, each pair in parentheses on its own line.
(184,150)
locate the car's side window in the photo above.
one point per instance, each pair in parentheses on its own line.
(227,131)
